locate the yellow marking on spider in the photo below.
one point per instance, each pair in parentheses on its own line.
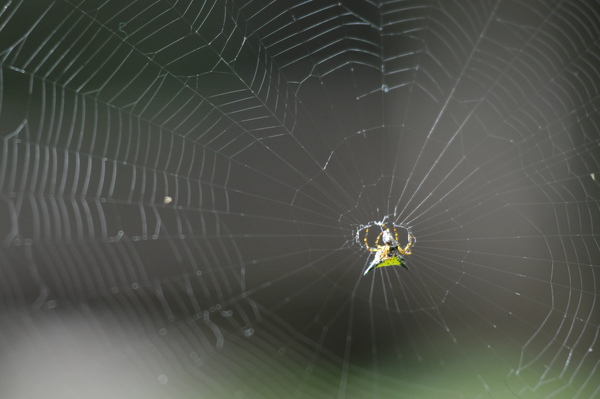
(393,261)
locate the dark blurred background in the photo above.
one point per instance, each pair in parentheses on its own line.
(185,187)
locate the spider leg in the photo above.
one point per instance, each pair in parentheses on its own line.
(406,250)
(365,239)
(384,253)
(372,249)
(378,239)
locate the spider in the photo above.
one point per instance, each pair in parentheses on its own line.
(390,253)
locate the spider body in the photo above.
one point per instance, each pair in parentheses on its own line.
(389,252)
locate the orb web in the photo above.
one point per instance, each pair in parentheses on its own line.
(184,186)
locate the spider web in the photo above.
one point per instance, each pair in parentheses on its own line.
(185,187)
